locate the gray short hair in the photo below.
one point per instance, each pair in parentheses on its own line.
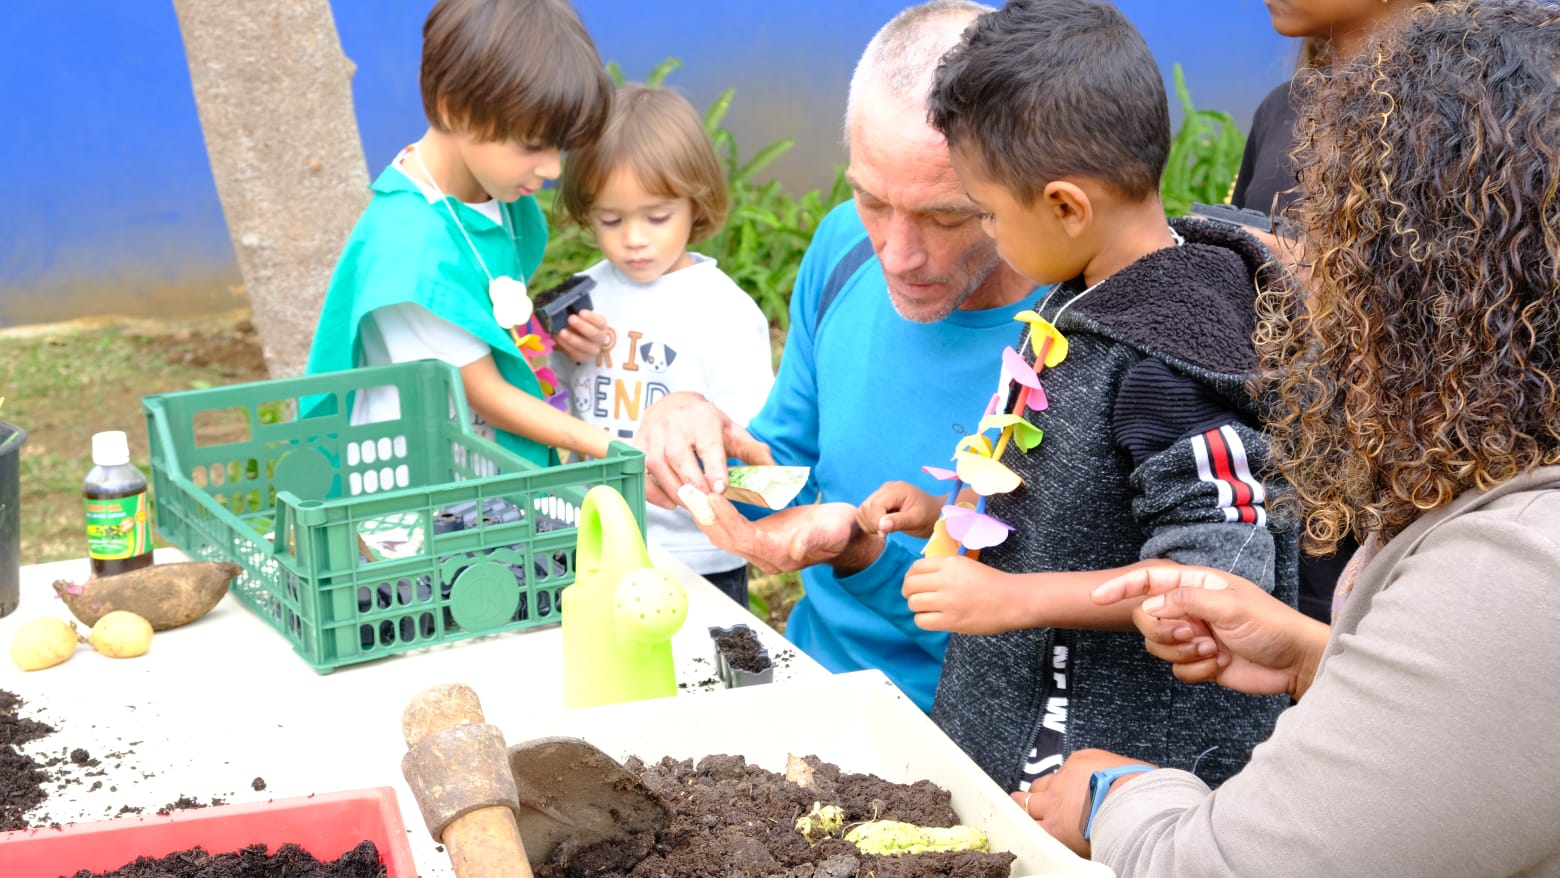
(902,58)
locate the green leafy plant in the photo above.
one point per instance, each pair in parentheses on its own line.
(766,231)
(1204,156)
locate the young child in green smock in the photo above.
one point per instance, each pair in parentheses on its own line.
(435,267)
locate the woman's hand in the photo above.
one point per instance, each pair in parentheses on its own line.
(1216,626)
(1059,802)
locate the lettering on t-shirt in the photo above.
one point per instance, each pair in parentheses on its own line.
(622,393)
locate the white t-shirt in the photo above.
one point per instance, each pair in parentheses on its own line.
(407,332)
(689,330)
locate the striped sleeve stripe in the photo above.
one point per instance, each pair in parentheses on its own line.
(1221,461)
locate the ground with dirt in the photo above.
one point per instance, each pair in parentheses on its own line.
(63,383)
(738,820)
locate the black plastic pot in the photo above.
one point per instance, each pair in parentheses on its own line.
(12,438)
(733,677)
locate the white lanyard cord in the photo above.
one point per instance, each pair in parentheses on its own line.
(1056,321)
(417,155)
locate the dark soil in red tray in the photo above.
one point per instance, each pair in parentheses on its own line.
(732,819)
(289,861)
(741,648)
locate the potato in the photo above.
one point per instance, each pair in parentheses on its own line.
(166,595)
(122,634)
(43,643)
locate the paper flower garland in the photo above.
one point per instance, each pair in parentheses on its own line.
(978,461)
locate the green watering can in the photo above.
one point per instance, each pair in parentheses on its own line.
(620,614)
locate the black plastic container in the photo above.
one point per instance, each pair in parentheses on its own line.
(12,438)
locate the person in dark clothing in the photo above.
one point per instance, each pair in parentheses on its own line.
(1332,31)
(1056,118)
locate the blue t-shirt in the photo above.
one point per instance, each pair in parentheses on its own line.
(867,397)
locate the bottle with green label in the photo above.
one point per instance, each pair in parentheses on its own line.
(118,520)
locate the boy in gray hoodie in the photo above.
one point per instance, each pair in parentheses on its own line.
(1150,449)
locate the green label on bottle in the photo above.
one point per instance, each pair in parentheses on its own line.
(117,529)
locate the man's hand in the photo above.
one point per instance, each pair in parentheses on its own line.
(680,431)
(786,540)
(1216,626)
(900,507)
(1059,802)
(954,593)
(584,337)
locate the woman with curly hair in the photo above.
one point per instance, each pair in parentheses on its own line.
(1417,387)
(1331,31)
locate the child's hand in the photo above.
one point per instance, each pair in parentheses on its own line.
(584,337)
(954,593)
(902,507)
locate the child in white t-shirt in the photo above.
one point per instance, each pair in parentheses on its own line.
(649,187)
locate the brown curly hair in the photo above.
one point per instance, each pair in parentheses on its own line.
(1422,357)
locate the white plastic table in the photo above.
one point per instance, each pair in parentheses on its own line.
(224,701)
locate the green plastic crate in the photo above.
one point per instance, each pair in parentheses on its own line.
(340,529)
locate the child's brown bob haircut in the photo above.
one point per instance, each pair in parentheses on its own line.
(657,134)
(519,70)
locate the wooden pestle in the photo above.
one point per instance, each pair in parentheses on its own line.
(484,843)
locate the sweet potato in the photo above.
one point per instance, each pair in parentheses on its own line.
(166,595)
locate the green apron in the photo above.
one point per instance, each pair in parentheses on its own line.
(406,249)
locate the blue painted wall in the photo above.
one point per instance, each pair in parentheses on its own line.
(110,206)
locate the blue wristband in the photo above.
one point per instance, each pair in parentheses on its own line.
(1099,785)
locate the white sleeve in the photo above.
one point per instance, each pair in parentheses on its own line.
(739,369)
(407,331)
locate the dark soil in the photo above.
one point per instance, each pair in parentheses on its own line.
(734,820)
(289,861)
(21,776)
(739,644)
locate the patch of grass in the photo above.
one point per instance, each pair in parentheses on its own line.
(63,383)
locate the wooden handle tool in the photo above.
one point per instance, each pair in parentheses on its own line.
(462,783)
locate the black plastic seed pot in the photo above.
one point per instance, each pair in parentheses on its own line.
(745,667)
(12,438)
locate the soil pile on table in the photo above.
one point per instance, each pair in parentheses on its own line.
(289,861)
(736,820)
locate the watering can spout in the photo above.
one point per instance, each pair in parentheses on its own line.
(620,613)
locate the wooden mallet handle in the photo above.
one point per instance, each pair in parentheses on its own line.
(485,842)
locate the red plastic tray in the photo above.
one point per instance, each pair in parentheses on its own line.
(326,825)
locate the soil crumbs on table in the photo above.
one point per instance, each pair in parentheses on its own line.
(26,781)
(21,776)
(736,820)
(289,861)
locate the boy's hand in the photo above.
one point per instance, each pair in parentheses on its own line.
(584,337)
(899,507)
(954,593)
